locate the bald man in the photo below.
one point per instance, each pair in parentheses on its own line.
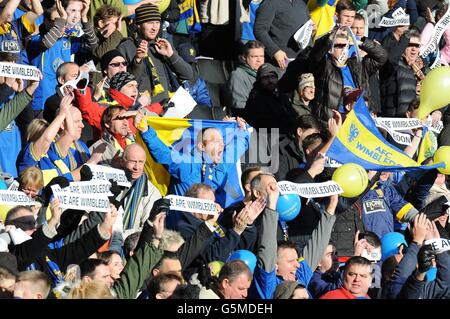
(137,201)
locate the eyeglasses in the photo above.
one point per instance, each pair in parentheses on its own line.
(117,64)
(340,45)
(414,45)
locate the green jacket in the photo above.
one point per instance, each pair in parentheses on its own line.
(13,107)
(136,271)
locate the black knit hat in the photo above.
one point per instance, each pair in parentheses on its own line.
(146,12)
(265,70)
(121,79)
(108,57)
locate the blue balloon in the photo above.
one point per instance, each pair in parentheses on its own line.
(431,274)
(131,1)
(3,185)
(390,244)
(246,256)
(288,207)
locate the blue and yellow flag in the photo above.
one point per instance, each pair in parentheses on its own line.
(323,14)
(359,141)
(181,135)
(428,145)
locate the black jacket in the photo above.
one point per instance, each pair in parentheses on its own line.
(269,110)
(398,82)
(328,76)
(290,156)
(36,250)
(213,249)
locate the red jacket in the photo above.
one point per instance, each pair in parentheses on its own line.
(92,111)
(340,293)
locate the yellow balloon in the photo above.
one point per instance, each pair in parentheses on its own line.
(442,154)
(216,267)
(163,5)
(352,178)
(434,91)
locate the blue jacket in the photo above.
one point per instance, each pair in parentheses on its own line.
(199,92)
(404,269)
(265,283)
(48,62)
(379,207)
(436,289)
(321,283)
(188,169)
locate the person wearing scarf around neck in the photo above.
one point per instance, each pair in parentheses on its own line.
(123,91)
(242,79)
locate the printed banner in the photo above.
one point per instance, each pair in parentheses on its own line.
(399,17)
(105,173)
(310,190)
(93,202)
(439,29)
(303,35)
(20,71)
(398,124)
(439,245)
(331,163)
(400,138)
(14,198)
(193,205)
(89,187)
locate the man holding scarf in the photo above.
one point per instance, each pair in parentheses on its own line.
(154,56)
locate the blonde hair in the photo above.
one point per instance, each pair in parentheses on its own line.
(38,279)
(31,176)
(36,129)
(169,238)
(94,289)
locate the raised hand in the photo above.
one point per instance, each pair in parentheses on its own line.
(158,225)
(164,48)
(419,229)
(61,11)
(85,10)
(140,123)
(254,209)
(240,221)
(141,51)
(56,211)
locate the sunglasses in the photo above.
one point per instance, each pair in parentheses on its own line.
(117,64)
(340,45)
(414,45)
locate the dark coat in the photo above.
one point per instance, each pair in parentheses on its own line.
(397,79)
(291,155)
(269,110)
(36,250)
